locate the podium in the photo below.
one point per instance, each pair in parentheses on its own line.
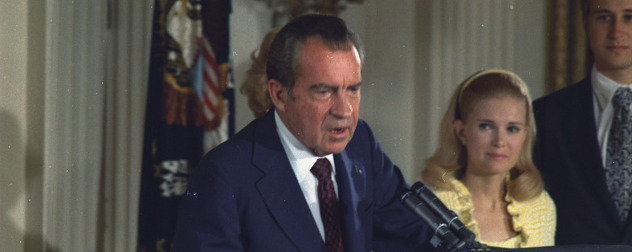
(566,248)
(450,234)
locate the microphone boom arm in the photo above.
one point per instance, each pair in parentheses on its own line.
(445,223)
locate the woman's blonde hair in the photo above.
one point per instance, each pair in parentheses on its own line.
(255,86)
(450,158)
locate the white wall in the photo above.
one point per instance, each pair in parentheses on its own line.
(21,75)
(389,77)
(13,31)
(249,23)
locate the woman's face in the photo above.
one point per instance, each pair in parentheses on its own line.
(493,133)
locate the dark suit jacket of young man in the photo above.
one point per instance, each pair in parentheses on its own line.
(568,154)
(244,196)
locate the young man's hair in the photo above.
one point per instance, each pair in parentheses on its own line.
(585,5)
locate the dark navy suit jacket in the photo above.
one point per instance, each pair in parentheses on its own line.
(244,196)
(568,154)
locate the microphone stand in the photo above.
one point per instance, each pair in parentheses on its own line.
(450,233)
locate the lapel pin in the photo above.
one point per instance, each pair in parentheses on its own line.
(357,170)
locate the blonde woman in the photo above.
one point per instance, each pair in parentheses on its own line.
(482,169)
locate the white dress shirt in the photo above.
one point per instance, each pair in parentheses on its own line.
(603,91)
(302,159)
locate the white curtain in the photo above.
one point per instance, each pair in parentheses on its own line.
(128,62)
(461,37)
(73,124)
(95,80)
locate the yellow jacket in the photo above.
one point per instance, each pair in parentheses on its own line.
(534,220)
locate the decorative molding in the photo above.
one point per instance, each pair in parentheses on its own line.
(287,9)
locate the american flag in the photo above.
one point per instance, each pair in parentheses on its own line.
(211,93)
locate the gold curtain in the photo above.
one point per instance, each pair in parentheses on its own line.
(568,60)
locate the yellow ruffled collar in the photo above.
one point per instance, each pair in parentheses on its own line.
(465,211)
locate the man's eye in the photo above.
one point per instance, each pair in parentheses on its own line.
(604,17)
(322,93)
(354,89)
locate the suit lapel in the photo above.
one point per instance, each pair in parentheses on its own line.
(626,238)
(280,189)
(351,187)
(583,140)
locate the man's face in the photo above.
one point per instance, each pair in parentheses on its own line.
(609,29)
(322,110)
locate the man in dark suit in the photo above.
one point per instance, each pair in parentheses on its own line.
(256,192)
(588,180)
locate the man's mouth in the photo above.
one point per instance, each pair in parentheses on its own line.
(337,130)
(617,47)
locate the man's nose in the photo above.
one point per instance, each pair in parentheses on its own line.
(619,27)
(341,106)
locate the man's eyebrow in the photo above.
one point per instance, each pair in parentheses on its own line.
(605,11)
(601,11)
(356,85)
(321,85)
(325,85)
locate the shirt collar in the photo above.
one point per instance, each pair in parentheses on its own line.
(301,158)
(603,87)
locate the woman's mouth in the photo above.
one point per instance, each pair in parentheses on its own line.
(497,156)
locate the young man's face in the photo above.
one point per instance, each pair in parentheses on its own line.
(609,29)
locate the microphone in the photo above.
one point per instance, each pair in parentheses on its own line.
(442,210)
(443,236)
(445,223)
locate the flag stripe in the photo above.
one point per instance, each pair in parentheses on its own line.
(211,92)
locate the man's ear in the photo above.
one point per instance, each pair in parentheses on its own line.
(278,94)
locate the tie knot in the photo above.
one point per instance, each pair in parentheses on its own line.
(622,97)
(322,169)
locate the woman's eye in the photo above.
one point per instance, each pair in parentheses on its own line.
(513,129)
(484,126)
